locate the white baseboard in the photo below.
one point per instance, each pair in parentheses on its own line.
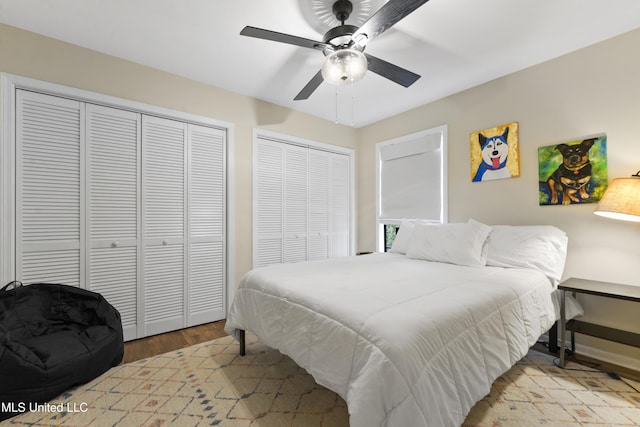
(602,355)
(605,356)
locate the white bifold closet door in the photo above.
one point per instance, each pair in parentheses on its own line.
(113,176)
(268,192)
(164,228)
(339,201)
(206,238)
(49,209)
(125,204)
(301,203)
(184,222)
(318,204)
(295,203)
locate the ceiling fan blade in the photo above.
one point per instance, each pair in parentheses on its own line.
(392,72)
(388,15)
(275,36)
(313,84)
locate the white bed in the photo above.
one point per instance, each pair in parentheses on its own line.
(405,341)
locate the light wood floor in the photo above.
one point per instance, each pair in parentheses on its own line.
(158,344)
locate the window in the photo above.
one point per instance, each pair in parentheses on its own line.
(411,173)
(390,231)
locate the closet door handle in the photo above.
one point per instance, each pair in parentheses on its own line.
(114,244)
(165,243)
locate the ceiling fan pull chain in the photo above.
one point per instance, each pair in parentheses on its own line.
(353,101)
(336,102)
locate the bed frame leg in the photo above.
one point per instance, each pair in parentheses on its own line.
(242,342)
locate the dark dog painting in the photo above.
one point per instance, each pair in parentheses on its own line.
(573,172)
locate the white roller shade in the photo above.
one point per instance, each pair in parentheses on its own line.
(411,178)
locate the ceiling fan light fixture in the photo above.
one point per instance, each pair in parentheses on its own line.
(344,66)
(343,45)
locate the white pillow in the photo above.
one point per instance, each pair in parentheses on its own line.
(403,236)
(541,247)
(457,243)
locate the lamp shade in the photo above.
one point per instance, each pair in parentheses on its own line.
(621,200)
(344,66)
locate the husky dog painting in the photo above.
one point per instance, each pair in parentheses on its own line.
(494,153)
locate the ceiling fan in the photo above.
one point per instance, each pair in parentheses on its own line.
(344,46)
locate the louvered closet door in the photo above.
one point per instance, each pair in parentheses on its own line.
(268,180)
(49,207)
(113,151)
(339,205)
(207,195)
(164,206)
(302,203)
(295,203)
(318,204)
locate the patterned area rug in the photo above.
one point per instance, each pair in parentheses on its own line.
(210,385)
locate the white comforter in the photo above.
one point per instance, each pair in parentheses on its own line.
(404,342)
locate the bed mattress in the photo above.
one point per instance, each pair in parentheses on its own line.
(405,342)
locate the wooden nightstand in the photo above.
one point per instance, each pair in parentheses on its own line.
(603,289)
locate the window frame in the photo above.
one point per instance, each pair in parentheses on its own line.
(442,130)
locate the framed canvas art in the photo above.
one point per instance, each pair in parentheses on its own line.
(573,172)
(495,153)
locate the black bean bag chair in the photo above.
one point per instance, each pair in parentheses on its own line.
(53,337)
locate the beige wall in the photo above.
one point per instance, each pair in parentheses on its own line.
(588,92)
(30,55)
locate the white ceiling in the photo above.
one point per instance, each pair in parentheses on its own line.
(452,44)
